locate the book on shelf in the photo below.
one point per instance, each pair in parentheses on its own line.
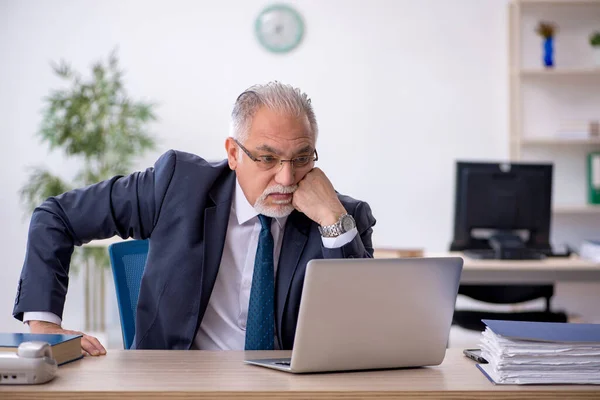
(578,130)
(65,348)
(521,353)
(590,250)
(593,177)
(572,135)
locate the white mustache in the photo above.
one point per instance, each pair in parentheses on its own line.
(279,189)
(286,209)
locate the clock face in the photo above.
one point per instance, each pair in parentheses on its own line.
(279,28)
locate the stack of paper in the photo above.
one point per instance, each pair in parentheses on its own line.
(590,250)
(541,352)
(574,130)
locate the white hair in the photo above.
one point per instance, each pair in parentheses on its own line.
(276,96)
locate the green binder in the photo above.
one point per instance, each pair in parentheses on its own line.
(593,172)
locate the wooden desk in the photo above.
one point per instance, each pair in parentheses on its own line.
(203,374)
(550,270)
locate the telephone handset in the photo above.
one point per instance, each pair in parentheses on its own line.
(31,364)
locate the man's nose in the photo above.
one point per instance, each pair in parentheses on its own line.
(285,176)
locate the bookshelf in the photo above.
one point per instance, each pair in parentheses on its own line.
(559,2)
(551,108)
(549,141)
(576,209)
(559,73)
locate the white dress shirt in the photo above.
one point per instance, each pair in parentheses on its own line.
(223,326)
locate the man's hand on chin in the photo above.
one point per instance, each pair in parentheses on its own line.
(89,344)
(316,198)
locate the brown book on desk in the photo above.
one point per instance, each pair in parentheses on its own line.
(65,348)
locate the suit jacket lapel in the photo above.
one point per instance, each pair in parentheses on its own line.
(216,218)
(295,236)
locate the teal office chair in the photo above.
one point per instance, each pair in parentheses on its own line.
(128,260)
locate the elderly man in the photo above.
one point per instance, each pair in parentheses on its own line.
(229,241)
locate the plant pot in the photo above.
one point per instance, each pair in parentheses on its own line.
(548,50)
(596,51)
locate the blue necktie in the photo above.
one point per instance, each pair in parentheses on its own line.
(260,327)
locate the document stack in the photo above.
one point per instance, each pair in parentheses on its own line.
(590,250)
(541,353)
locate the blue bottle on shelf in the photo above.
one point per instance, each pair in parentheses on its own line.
(548,52)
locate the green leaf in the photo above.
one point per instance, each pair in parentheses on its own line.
(62,69)
(40,186)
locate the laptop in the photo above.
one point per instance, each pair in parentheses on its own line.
(359,314)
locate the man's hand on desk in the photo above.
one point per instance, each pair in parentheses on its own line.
(89,344)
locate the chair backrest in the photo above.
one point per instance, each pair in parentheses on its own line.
(128,260)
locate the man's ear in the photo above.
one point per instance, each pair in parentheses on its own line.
(232,153)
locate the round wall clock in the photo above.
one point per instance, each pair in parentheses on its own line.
(279,28)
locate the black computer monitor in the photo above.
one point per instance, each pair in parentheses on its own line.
(511,202)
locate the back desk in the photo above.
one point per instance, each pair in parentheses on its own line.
(550,270)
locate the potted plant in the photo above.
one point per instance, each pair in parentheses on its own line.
(595,43)
(547,30)
(94,121)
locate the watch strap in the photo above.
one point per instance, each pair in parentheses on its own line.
(333,230)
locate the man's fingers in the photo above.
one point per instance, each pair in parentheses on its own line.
(90,347)
(89,344)
(96,344)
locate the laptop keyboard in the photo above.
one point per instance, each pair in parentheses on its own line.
(283,363)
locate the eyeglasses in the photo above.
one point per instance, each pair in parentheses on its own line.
(267,162)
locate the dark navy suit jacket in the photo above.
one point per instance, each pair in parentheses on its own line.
(182,204)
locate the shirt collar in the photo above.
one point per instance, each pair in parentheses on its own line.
(243,210)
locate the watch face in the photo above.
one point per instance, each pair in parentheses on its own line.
(279,28)
(347,223)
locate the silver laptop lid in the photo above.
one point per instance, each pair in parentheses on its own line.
(375,313)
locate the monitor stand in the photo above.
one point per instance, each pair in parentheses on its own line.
(505,246)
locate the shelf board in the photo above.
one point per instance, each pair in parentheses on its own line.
(550,141)
(560,2)
(576,209)
(559,72)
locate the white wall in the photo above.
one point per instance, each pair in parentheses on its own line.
(402,88)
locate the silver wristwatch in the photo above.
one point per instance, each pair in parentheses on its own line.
(343,225)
